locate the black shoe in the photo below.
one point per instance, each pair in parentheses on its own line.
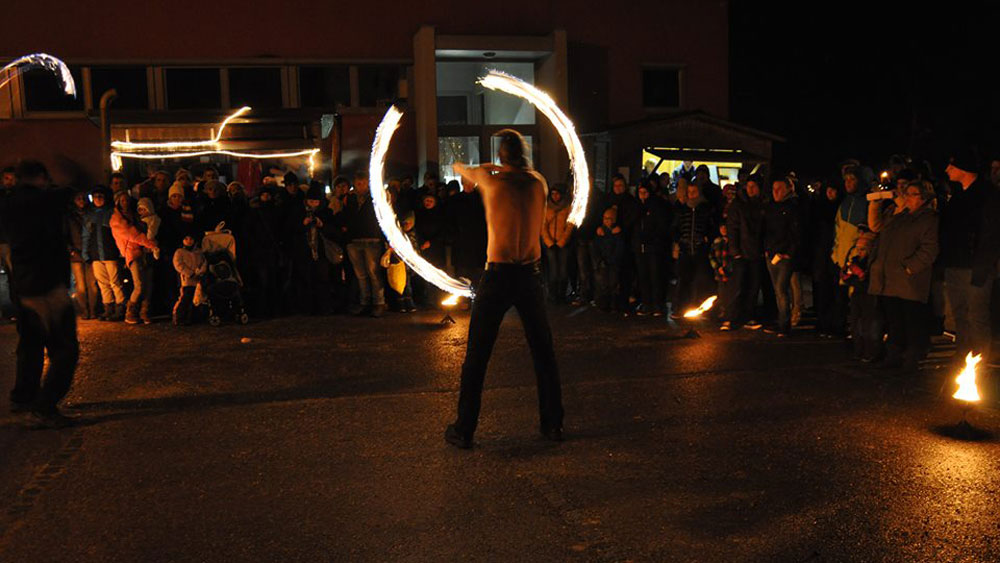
(18,408)
(51,418)
(552,434)
(452,436)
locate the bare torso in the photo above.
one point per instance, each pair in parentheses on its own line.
(515,208)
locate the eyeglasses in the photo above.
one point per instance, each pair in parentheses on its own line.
(911,194)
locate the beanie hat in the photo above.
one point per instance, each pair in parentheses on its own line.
(315,191)
(176,188)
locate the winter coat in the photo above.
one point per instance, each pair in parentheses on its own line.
(98,242)
(190,265)
(627,207)
(555,229)
(719,258)
(608,250)
(431,226)
(467,214)
(652,229)
(822,223)
(961,222)
(782,228)
(359,216)
(906,241)
(984,261)
(745,226)
(76,221)
(34,218)
(130,240)
(695,227)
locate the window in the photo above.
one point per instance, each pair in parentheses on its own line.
(458,93)
(456,149)
(193,88)
(661,87)
(43,92)
(324,86)
(377,83)
(130,83)
(495,148)
(255,87)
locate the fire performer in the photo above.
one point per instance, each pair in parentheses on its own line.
(33,213)
(514,196)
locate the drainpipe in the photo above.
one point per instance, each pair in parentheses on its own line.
(106,99)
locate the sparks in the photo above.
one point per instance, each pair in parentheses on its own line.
(496,80)
(967,389)
(130,146)
(387,220)
(705,306)
(40,60)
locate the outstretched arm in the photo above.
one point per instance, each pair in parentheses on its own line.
(473,175)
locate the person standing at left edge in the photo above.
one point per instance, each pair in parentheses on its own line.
(33,214)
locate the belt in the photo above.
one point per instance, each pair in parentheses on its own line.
(531,267)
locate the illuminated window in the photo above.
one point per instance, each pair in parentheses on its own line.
(255,87)
(193,88)
(44,93)
(325,86)
(456,149)
(661,88)
(129,81)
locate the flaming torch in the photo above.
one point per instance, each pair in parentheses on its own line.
(448,303)
(700,309)
(968,391)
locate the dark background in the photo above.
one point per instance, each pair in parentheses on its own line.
(865,80)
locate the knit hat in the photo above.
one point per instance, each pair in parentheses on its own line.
(147,204)
(176,188)
(315,191)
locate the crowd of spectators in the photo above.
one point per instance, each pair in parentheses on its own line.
(887,257)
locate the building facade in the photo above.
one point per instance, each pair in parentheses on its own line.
(321,74)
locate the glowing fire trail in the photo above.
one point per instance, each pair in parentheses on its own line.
(40,60)
(705,306)
(496,80)
(399,242)
(967,389)
(168,145)
(116,156)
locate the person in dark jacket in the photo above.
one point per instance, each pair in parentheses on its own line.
(365,247)
(311,268)
(649,238)
(745,231)
(694,228)
(33,215)
(262,228)
(609,252)
(962,220)
(176,221)
(901,274)
(782,238)
(83,275)
(468,218)
(584,292)
(100,250)
(825,274)
(628,212)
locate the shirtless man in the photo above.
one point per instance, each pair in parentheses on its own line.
(514,197)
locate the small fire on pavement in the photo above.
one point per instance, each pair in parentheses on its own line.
(705,306)
(450,301)
(968,391)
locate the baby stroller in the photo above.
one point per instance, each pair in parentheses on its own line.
(221,283)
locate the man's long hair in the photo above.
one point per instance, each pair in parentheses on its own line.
(513,149)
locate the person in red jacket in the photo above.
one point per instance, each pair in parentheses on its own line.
(128,229)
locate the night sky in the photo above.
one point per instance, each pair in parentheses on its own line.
(864,80)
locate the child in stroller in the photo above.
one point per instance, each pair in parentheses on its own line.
(221,284)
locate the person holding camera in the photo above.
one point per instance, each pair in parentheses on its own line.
(901,270)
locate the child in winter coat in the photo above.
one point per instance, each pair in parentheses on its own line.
(394,266)
(722,268)
(608,257)
(864,318)
(147,214)
(189,261)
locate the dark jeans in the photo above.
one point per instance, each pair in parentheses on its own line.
(584,270)
(781,279)
(649,267)
(184,308)
(867,324)
(45,324)
(695,281)
(501,287)
(744,286)
(908,329)
(825,284)
(557,258)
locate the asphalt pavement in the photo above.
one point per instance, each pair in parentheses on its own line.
(320,439)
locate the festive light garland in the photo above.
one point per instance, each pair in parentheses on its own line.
(44,61)
(128,145)
(387,219)
(116,156)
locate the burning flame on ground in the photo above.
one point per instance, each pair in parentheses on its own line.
(705,306)
(450,301)
(967,390)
